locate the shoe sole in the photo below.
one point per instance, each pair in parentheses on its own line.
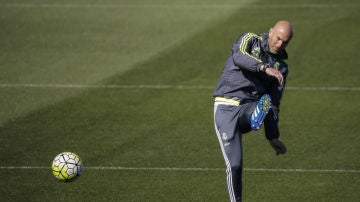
(260,112)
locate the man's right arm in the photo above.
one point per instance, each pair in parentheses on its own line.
(242,57)
(241,53)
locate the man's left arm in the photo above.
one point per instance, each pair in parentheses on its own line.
(272,131)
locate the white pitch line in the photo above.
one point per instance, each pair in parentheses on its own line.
(303,170)
(148,86)
(297,170)
(319,88)
(179,6)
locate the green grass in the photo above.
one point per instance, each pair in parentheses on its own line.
(171,43)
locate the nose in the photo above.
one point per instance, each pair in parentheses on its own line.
(280,44)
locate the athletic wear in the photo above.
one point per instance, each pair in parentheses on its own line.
(230,141)
(237,105)
(242,80)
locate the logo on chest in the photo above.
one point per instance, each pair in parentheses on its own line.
(255,52)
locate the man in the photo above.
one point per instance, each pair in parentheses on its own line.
(248,94)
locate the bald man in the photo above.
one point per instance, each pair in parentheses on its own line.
(248,94)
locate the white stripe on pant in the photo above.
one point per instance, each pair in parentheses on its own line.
(227,162)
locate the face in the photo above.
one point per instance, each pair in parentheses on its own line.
(279,38)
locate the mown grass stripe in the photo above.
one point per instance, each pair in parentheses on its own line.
(180,6)
(160,86)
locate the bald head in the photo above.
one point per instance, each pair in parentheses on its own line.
(280,35)
(285,27)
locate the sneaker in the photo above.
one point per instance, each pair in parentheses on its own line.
(260,112)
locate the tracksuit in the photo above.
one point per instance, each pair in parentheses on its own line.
(239,89)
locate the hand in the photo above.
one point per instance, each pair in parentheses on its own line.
(278,146)
(275,73)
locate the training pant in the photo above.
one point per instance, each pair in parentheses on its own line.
(231,122)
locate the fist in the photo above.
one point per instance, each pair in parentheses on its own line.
(276,74)
(278,146)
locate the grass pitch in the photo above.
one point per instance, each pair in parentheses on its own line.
(128,86)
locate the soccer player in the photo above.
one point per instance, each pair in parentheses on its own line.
(248,94)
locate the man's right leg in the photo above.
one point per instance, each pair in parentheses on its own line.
(226,127)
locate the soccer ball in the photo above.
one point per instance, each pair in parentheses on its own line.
(67,166)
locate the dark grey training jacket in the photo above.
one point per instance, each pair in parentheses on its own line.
(242,79)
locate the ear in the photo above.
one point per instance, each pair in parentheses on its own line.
(270,31)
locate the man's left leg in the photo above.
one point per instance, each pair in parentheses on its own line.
(260,112)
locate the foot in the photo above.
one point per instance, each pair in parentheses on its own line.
(260,112)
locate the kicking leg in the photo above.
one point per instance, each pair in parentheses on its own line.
(260,112)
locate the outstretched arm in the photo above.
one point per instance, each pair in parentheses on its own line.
(271,122)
